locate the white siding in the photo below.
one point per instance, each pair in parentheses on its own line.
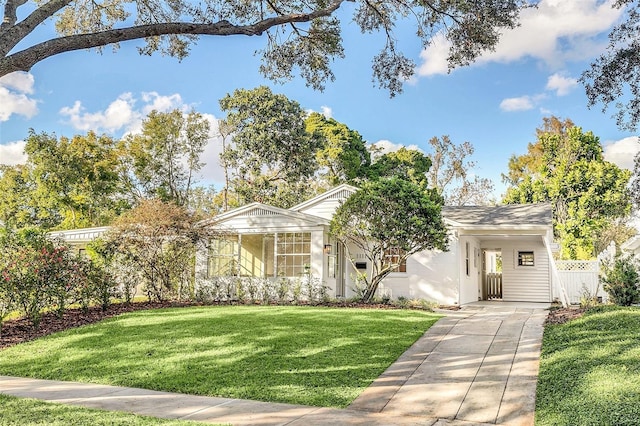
(324,209)
(430,275)
(523,283)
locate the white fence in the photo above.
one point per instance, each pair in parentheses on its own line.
(580,278)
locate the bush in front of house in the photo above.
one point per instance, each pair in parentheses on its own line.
(40,274)
(621,280)
(263,290)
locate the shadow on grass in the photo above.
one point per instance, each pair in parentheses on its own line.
(300,355)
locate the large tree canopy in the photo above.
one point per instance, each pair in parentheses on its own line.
(588,194)
(302,36)
(272,156)
(363,223)
(614,77)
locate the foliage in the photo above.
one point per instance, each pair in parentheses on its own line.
(272,156)
(589,370)
(588,194)
(301,36)
(450,170)
(621,280)
(38,274)
(31,412)
(343,154)
(65,183)
(364,221)
(264,290)
(301,355)
(407,164)
(161,162)
(614,77)
(157,240)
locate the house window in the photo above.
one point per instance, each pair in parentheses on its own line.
(525,258)
(223,257)
(394,256)
(294,254)
(466,257)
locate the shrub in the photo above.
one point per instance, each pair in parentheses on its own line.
(621,281)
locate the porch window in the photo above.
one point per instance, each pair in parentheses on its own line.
(392,256)
(294,254)
(223,255)
(525,258)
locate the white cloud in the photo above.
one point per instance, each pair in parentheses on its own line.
(14,99)
(12,153)
(523,103)
(161,103)
(212,171)
(123,114)
(622,152)
(19,81)
(326,111)
(434,57)
(561,84)
(555,32)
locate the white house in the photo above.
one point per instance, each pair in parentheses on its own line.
(501,252)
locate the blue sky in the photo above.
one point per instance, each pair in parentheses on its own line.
(496,104)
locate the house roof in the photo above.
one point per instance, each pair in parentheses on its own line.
(339,192)
(263,210)
(507,215)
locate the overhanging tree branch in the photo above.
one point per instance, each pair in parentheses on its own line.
(26,59)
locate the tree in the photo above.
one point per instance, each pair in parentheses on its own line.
(300,35)
(65,183)
(78,173)
(407,164)
(526,164)
(450,170)
(614,77)
(272,154)
(587,193)
(158,241)
(387,215)
(162,160)
(343,155)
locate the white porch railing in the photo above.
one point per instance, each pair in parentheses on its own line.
(580,278)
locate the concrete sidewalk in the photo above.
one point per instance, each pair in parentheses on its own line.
(477,366)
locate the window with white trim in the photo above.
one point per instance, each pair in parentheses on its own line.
(294,254)
(526,258)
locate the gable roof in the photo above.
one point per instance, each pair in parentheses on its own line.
(339,192)
(263,210)
(507,215)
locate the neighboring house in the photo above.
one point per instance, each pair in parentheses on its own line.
(78,239)
(502,252)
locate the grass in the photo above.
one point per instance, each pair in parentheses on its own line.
(30,412)
(590,370)
(301,355)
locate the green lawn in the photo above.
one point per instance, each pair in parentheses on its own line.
(29,412)
(590,370)
(301,355)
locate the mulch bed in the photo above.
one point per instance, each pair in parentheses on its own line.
(20,330)
(563,315)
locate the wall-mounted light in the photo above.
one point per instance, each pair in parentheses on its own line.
(327,249)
